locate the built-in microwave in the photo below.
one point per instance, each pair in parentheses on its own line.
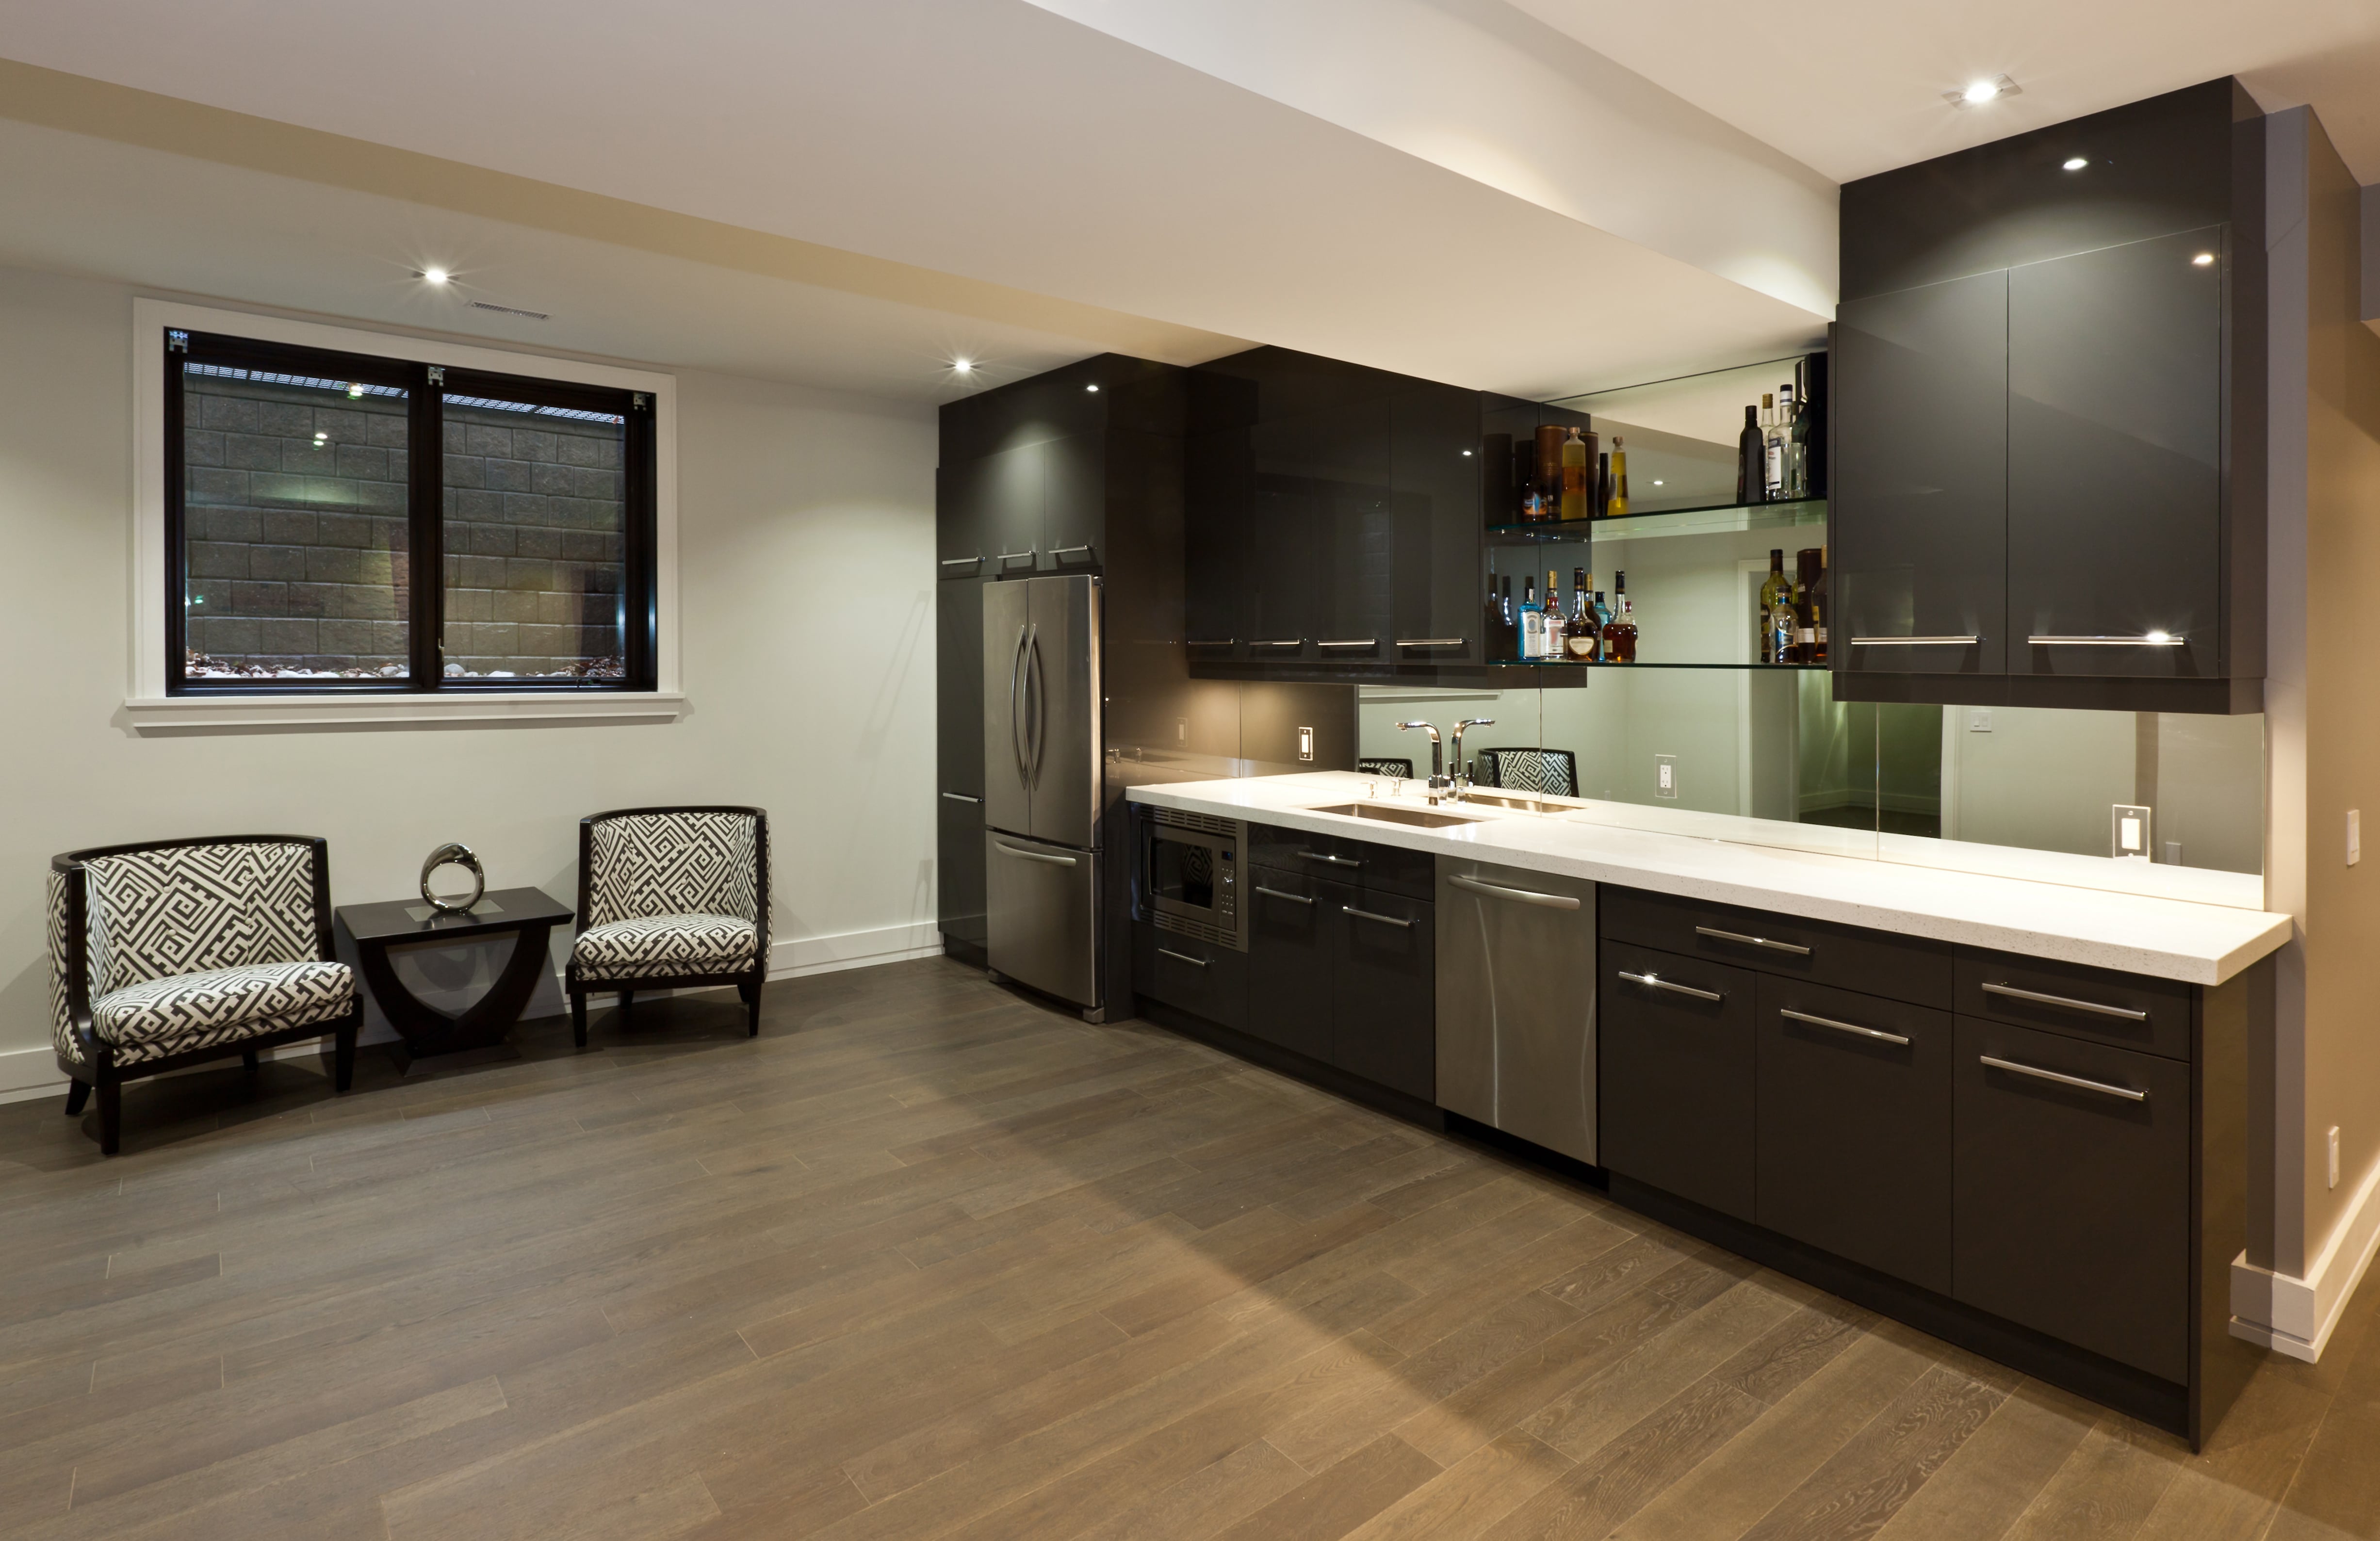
(1187,877)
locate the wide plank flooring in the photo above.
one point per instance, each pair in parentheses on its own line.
(928,1259)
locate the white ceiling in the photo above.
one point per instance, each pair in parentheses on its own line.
(1854,87)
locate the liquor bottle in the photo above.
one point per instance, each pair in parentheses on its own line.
(1603,486)
(1797,452)
(1773,466)
(1810,591)
(1783,625)
(1618,508)
(1769,593)
(1751,456)
(1532,621)
(1574,458)
(1524,479)
(1620,632)
(1585,630)
(1601,614)
(1557,623)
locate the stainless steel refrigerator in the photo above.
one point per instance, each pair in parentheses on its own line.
(1041,785)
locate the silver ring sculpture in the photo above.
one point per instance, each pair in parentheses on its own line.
(453,853)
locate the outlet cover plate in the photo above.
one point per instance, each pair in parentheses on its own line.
(2128,831)
(1665,775)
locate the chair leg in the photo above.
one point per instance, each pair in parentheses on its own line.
(77,1093)
(579,1017)
(628,999)
(750,992)
(343,1056)
(111,1113)
(248,1060)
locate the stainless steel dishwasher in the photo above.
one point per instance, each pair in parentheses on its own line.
(1516,1003)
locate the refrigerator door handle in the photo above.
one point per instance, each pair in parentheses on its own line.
(1017,708)
(1037,692)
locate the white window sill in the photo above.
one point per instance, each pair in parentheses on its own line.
(182,714)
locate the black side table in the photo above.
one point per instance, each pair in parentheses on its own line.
(527,913)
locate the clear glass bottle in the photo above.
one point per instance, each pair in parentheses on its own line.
(1585,630)
(1619,507)
(1557,623)
(1532,621)
(1770,591)
(1773,445)
(1620,632)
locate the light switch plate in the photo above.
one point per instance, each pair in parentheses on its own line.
(2333,1155)
(1979,719)
(2354,836)
(1306,742)
(2128,831)
(1665,775)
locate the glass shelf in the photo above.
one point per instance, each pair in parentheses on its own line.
(1582,663)
(1717,519)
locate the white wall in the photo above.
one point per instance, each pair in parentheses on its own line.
(806,547)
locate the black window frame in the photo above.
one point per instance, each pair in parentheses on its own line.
(426,385)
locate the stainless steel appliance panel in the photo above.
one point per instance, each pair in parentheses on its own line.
(1007,630)
(1516,977)
(1188,879)
(1062,698)
(1042,915)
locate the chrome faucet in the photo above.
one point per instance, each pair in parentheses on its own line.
(1438,785)
(1462,777)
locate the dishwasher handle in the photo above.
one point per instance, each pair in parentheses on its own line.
(1518,895)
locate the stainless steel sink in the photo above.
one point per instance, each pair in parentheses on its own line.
(1387,813)
(1506,800)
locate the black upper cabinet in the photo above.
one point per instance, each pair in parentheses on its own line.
(1920,510)
(1074,503)
(2050,416)
(2115,441)
(1434,492)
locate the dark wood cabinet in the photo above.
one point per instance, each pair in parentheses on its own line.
(1384,989)
(959,886)
(1074,503)
(2071,1198)
(1204,977)
(1677,1077)
(1904,968)
(1434,613)
(1853,1127)
(1292,929)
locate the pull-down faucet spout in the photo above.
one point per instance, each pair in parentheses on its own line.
(1437,781)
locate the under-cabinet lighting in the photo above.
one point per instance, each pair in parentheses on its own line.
(2076,163)
(2204,260)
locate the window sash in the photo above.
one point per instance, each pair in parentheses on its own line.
(427,385)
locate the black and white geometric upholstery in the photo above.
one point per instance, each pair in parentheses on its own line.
(172,953)
(1385,765)
(1552,772)
(674,895)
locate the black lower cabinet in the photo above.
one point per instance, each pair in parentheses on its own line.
(1855,1119)
(1291,938)
(958,842)
(1677,1076)
(1384,989)
(2071,1197)
(1204,977)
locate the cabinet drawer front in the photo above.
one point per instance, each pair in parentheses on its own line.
(1381,868)
(1291,924)
(2071,1206)
(1676,1078)
(1202,978)
(1383,987)
(1855,1128)
(1902,968)
(2127,1009)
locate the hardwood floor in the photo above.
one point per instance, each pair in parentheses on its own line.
(927,1260)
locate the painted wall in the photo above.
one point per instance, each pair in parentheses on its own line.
(806,549)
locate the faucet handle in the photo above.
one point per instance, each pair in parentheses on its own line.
(1475,723)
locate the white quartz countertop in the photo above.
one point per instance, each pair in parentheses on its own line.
(2170,938)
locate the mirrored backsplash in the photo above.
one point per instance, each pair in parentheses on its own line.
(1769,757)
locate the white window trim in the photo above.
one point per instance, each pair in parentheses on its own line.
(148,709)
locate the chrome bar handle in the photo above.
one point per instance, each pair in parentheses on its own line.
(1843,1026)
(1383,919)
(1062,553)
(1798,952)
(1182,957)
(1007,849)
(1213,642)
(1657,982)
(1007,557)
(960,798)
(2127,1093)
(1277,894)
(962,560)
(1335,861)
(2038,999)
(1520,895)
(2148,639)
(1284,642)
(1914,641)
(1433,641)
(1351,642)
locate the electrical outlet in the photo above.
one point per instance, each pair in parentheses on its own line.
(1979,719)
(2333,1155)
(2129,835)
(2354,836)
(1306,742)
(1665,775)
(1182,729)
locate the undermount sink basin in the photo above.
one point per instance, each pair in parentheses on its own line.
(1389,814)
(1506,800)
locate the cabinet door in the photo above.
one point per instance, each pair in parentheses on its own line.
(959,876)
(1855,1128)
(1677,1076)
(958,686)
(1218,504)
(1384,989)
(1434,476)
(1290,933)
(1346,456)
(1074,505)
(2115,458)
(2070,1204)
(1205,978)
(1920,508)
(1009,488)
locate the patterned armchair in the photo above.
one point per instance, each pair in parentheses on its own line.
(671,897)
(1554,772)
(172,953)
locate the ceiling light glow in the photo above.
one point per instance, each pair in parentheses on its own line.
(1093,389)
(2204,260)
(962,364)
(1975,93)
(1981,90)
(434,275)
(2076,163)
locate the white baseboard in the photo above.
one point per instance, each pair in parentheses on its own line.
(2294,1315)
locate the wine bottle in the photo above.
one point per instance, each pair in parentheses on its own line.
(1574,478)
(1751,455)
(1619,507)
(1557,623)
(1773,447)
(1583,633)
(1600,613)
(1797,452)
(1769,593)
(1810,596)
(1532,621)
(1783,624)
(1620,632)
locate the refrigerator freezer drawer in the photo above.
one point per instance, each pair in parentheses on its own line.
(1516,1003)
(1042,916)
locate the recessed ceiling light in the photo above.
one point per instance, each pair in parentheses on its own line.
(2076,163)
(1466,454)
(434,275)
(1656,481)
(2204,260)
(1093,389)
(1975,93)
(962,364)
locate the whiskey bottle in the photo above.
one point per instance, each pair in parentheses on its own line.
(1585,630)
(1618,508)
(1557,623)
(1769,593)
(1620,632)
(1751,459)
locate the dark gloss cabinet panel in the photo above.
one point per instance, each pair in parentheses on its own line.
(1202,976)
(1920,510)
(1434,479)
(1074,498)
(1677,1076)
(1384,989)
(2071,1201)
(1292,932)
(2115,456)
(959,887)
(1854,1127)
